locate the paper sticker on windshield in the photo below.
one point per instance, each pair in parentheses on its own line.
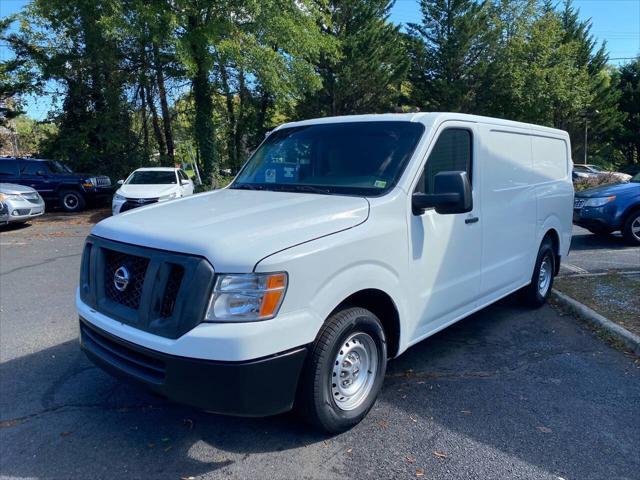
(380,184)
(270,175)
(288,172)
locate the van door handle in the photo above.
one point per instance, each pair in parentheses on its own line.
(470,220)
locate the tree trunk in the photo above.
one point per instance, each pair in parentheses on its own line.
(162,93)
(203,101)
(145,121)
(162,147)
(231,115)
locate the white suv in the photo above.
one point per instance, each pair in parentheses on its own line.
(341,243)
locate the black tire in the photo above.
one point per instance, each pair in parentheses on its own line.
(630,230)
(600,231)
(318,400)
(536,293)
(71,200)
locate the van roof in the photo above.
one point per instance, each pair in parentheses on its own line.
(428,118)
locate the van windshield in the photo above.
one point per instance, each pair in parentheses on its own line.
(351,158)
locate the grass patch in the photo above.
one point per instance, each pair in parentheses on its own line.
(614,296)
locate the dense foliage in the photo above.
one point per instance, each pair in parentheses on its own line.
(163,81)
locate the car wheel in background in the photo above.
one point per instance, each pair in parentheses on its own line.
(345,370)
(538,291)
(71,201)
(631,229)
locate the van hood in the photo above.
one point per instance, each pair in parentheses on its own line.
(235,229)
(146,191)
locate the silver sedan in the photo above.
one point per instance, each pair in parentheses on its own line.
(19,203)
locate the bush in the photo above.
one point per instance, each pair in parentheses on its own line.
(605,179)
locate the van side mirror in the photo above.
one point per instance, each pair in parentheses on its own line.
(184,182)
(120,182)
(451,194)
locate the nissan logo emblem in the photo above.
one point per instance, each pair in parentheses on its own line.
(121,279)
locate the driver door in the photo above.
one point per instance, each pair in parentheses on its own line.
(445,255)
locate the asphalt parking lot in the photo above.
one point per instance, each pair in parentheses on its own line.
(595,254)
(506,393)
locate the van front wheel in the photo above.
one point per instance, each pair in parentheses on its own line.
(345,370)
(538,291)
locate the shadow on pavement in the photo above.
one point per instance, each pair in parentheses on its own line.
(591,241)
(544,391)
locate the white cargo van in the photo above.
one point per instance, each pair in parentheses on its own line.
(342,242)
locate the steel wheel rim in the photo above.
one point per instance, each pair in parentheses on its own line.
(544,276)
(354,371)
(635,228)
(70,200)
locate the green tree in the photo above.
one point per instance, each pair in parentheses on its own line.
(628,137)
(450,52)
(364,70)
(75,46)
(13,79)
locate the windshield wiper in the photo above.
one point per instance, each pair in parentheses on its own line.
(247,186)
(305,188)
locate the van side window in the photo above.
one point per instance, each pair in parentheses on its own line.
(452,152)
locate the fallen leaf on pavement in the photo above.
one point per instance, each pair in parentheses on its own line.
(544,429)
(65,434)
(349,450)
(409,459)
(383,423)
(419,472)
(440,454)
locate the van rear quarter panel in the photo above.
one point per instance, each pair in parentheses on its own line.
(554,187)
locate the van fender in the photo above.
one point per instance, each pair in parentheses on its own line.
(370,275)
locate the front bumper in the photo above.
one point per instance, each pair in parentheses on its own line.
(21,210)
(260,387)
(596,217)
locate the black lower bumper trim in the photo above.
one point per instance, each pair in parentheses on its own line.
(255,388)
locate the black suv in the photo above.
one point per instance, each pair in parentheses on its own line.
(56,182)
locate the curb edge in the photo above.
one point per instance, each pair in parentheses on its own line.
(592,317)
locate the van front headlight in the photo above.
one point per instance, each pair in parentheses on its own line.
(247,297)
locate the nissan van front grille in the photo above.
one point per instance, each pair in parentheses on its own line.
(161,292)
(134,268)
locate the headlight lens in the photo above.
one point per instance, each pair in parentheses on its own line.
(168,197)
(9,196)
(118,198)
(247,298)
(599,201)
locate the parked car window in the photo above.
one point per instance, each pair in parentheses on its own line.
(354,158)
(58,167)
(452,152)
(30,167)
(8,168)
(151,177)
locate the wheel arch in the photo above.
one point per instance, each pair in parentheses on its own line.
(628,212)
(553,235)
(382,306)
